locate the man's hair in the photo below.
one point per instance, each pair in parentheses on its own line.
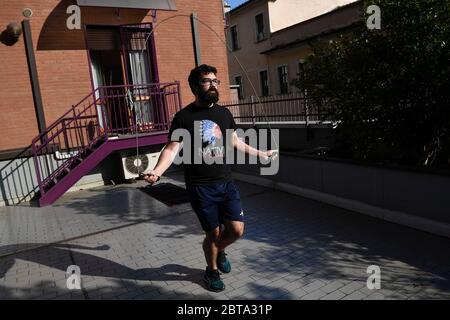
(196,73)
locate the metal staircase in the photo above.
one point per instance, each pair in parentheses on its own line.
(105,121)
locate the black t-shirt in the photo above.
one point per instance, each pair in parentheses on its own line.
(208,140)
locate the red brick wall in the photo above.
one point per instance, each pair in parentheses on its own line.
(176,56)
(17,121)
(62,62)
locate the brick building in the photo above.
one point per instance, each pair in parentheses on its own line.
(98,66)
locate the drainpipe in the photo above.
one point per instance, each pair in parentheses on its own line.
(196,39)
(31,59)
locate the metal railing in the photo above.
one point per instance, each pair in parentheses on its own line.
(108,111)
(292,107)
(139,108)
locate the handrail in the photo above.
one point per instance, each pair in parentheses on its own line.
(106,111)
(140,85)
(290,107)
(59,119)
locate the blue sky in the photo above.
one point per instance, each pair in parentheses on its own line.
(235,3)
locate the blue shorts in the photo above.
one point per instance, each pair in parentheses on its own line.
(215,203)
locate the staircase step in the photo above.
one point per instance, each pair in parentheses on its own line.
(73,164)
(83,154)
(61,175)
(87,151)
(49,185)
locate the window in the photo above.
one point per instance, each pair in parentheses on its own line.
(259,21)
(301,74)
(300,70)
(238,81)
(264,83)
(234,38)
(283,79)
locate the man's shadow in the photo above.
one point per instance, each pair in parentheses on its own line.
(91,265)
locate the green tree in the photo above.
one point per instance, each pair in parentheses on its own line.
(389,88)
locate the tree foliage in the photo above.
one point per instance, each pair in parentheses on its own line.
(389,88)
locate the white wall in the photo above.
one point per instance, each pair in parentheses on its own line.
(285,13)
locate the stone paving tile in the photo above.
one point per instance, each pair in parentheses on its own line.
(313,286)
(332,286)
(355,295)
(335,295)
(307,250)
(352,287)
(315,295)
(298,293)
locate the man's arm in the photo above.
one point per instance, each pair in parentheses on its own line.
(164,161)
(242,146)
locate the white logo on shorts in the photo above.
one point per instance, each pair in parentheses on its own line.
(242,213)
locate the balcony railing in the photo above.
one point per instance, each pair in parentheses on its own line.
(281,108)
(108,111)
(139,108)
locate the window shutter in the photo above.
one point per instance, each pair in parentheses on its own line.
(103,39)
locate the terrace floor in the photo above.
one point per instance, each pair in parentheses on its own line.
(130,246)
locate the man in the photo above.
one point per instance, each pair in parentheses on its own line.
(213,194)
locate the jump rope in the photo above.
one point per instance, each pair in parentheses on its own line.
(132,102)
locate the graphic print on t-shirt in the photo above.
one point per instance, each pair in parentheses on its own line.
(212,142)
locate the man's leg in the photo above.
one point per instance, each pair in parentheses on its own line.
(207,212)
(231,215)
(212,275)
(210,248)
(216,240)
(232,232)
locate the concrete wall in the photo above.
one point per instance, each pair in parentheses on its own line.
(413,198)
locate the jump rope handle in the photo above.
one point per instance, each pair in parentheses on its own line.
(142,175)
(274,155)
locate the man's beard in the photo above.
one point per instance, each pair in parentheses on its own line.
(210,96)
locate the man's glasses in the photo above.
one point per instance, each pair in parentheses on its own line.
(209,82)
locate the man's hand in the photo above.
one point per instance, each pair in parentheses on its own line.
(270,154)
(165,159)
(152,177)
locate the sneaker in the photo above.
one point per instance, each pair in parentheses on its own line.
(213,281)
(223,263)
